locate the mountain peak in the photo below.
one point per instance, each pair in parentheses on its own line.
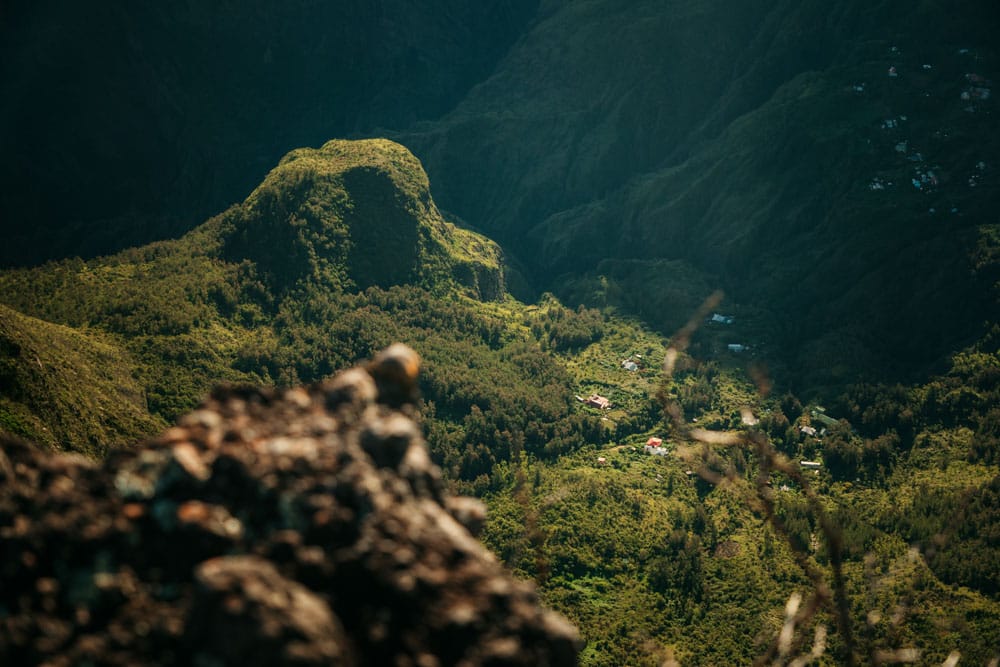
(339,155)
(357,214)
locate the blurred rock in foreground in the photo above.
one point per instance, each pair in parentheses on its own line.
(298,527)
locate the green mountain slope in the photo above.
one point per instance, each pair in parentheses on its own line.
(356,214)
(624,153)
(69,389)
(341,251)
(338,253)
(754,143)
(674,555)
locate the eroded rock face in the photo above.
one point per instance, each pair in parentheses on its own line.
(302,527)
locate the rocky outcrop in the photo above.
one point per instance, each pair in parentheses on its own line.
(301,527)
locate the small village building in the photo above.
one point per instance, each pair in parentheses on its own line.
(655,447)
(630,365)
(599,402)
(819,414)
(808,430)
(601,460)
(811,465)
(721,319)
(737,347)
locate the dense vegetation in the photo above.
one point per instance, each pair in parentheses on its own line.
(337,254)
(834,167)
(675,555)
(51,374)
(687,554)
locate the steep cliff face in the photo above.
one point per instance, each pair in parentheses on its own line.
(126,123)
(307,527)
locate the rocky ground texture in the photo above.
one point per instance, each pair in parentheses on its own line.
(302,527)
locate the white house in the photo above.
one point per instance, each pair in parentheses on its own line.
(655,447)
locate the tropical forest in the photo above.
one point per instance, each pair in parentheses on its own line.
(705,295)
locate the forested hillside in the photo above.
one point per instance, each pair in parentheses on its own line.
(835,166)
(619,151)
(685,549)
(709,313)
(338,253)
(692,547)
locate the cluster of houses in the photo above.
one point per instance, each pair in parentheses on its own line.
(824,421)
(976,89)
(654,446)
